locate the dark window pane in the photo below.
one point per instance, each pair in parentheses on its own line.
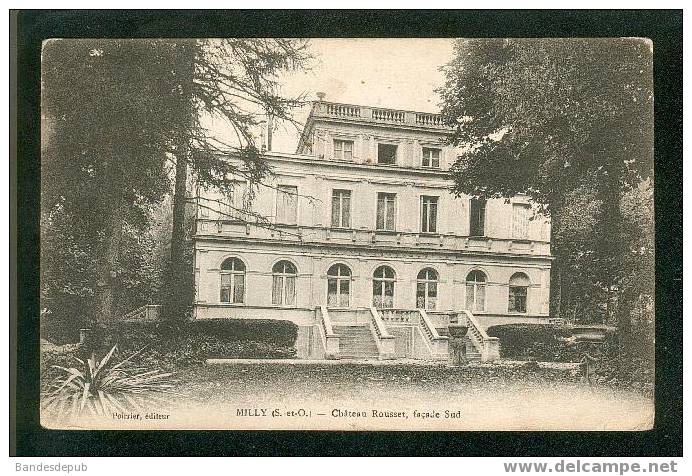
(331,292)
(225,294)
(277,287)
(432,221)
(420,295)
(470,296)
(346,211)
(517,298)
(290,295)
(477,212)
(344,291)
(335,210)
(480,298)
(386,154)
(239,288)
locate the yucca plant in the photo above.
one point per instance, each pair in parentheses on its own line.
(103,387)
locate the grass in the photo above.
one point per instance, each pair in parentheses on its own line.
(489,397)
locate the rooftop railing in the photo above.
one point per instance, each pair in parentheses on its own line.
(378,115)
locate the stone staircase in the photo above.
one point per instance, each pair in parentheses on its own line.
(364,334)
(356,342)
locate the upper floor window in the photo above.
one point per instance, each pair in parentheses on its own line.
(234,204)
(477,217)
(428,211)
(386,154)
(287,204)
(203,207)
(520,221)
(386,211)
(233,281)
(284,283)
(341,209)
(431,157)
(343,149)
(518,292)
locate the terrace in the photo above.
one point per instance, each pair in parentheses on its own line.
(371,115)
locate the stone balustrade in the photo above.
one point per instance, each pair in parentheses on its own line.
(330,340)
(381,115)
(403,240)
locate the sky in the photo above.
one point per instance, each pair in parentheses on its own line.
(387,72)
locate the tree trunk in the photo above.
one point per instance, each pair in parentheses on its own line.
(610,245)
(174,301)
(556,277)
(176,293)
(113,232)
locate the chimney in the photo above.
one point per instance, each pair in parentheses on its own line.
(270,129)
(320,96)
(263,136)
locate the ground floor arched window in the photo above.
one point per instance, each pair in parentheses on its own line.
(518,292)
(383,287)
(233,281)
(338,285)
(426,289)
(475,291)
(284,275)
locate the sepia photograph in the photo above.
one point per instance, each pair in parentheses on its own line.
(361,234)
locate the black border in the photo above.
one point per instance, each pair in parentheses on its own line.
(29,28)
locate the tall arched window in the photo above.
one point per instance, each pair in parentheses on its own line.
(475,291)
(338,285)
(383,287)
(518,292)
(284,283)
(233,281)
(426,289)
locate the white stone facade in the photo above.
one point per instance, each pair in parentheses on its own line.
(319,233)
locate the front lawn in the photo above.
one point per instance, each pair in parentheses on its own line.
(487,397)
(404,397)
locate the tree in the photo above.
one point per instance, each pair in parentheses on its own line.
(550,117)
(235,80)
(110,108)
(122,122)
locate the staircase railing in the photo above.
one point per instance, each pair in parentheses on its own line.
(148,312)
(489,347)
(439,345)
(386,346)
(330,341)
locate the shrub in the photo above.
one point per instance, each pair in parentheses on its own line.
(186,343)
(625,364)
(529,340)
(279,333)
(547,342)
(101,386)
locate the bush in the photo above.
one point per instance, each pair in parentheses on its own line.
(627,364)
(526,341)
(279,333)
(192,342)
(61,329)
(546,342)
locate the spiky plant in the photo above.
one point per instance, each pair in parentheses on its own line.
(103,387)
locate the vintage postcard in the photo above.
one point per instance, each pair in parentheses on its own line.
(347,234)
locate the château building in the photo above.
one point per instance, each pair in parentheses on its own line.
(366,248)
